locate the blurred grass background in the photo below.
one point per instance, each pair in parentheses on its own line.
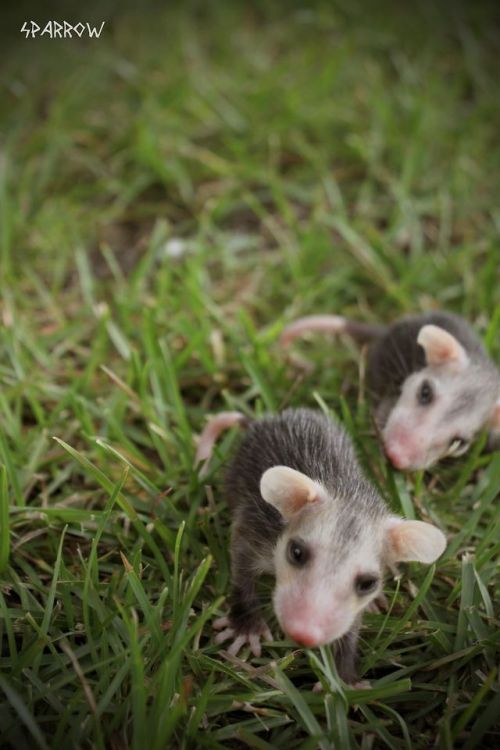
(170,195)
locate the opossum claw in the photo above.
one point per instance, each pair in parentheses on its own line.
(221,622)
(254,641)
(360,685)
(224,635)
(238,642)
(252,638)
(266,634)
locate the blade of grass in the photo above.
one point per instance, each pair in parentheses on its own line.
(301,708)
(4,520)
(23,713)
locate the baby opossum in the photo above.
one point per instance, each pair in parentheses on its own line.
(303,511)
(433,385)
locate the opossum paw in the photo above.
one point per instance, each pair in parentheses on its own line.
(378,605)
(221,622)
(251,637)
(360,685)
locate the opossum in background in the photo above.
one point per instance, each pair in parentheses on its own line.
(303,512)
(434,386)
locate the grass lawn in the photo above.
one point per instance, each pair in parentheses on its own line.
(171,195)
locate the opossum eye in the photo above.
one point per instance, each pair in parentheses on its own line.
(297,553)
(425,394)
(365,584)
(457,446)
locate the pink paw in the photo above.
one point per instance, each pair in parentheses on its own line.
(359,685)
(252,637)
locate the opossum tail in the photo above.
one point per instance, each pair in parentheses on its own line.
(211,432)
(361,332)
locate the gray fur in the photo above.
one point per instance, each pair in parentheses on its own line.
(315,445)
(311,443)
(396,355)
(464,390)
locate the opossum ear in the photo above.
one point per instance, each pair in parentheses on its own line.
(288,490)
(414,540)
(441,347)
(494,436)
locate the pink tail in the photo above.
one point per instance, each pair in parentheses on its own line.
(330,324)
(324,323)
(211,432)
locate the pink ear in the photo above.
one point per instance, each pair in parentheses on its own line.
(414,540)
(289,490)
(494,428)
(495,419)
(441,347)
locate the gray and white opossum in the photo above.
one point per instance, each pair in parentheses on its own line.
(433,385)
(303,511)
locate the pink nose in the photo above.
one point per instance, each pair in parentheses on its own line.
(305,635)
(396,457)
(400,456)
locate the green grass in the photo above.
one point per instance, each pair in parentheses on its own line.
(335,159)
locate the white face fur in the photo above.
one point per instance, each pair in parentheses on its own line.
(316,601)
(323,579)
(441,408)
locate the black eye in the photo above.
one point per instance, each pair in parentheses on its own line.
(425,394)
(457,445)
(297,553)
(365,584)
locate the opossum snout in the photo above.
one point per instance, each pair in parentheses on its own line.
(312,624)
(403,450)
(398,457)
(306,634)
(314,631)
